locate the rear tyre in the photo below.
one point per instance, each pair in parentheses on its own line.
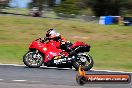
(32,59)
(85,60)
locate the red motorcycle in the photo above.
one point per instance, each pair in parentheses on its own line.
(50,54)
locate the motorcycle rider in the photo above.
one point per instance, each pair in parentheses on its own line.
(51,34)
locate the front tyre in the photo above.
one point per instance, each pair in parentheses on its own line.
(32,59)
(85,61)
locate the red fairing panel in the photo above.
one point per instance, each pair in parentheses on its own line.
(49,50)
(52,50)
(79,44)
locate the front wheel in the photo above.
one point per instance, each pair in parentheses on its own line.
(32,59)
(85,60)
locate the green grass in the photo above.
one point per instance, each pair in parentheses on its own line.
(25,11)
(111,45)
(17,10)
(12,53)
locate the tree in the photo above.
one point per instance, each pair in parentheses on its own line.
(99,7)
(3,4)
(126,8)
(104,7)
(51,3)
(67,7)
(41,3)
(109,7)
(37,3)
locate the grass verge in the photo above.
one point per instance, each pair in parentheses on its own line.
(111,45)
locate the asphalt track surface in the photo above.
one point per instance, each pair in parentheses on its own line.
(12,76)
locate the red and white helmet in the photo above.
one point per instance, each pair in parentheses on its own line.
(51,33)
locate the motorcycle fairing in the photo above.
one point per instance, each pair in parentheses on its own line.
(49,50)
(76,44)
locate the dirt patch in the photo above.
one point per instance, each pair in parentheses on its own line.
(81,37)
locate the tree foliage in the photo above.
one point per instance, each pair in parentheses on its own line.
(109,7)
(99,7)
(67,7)
(104,7)
(41,3)
(37,3)
(3,3)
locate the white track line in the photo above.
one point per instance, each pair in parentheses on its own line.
(18,65)
(19,80)
(64,68)
(7,64)
(111,71)
(1,79)
(12,65)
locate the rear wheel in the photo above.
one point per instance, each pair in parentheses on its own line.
(32,59)
(85,61)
